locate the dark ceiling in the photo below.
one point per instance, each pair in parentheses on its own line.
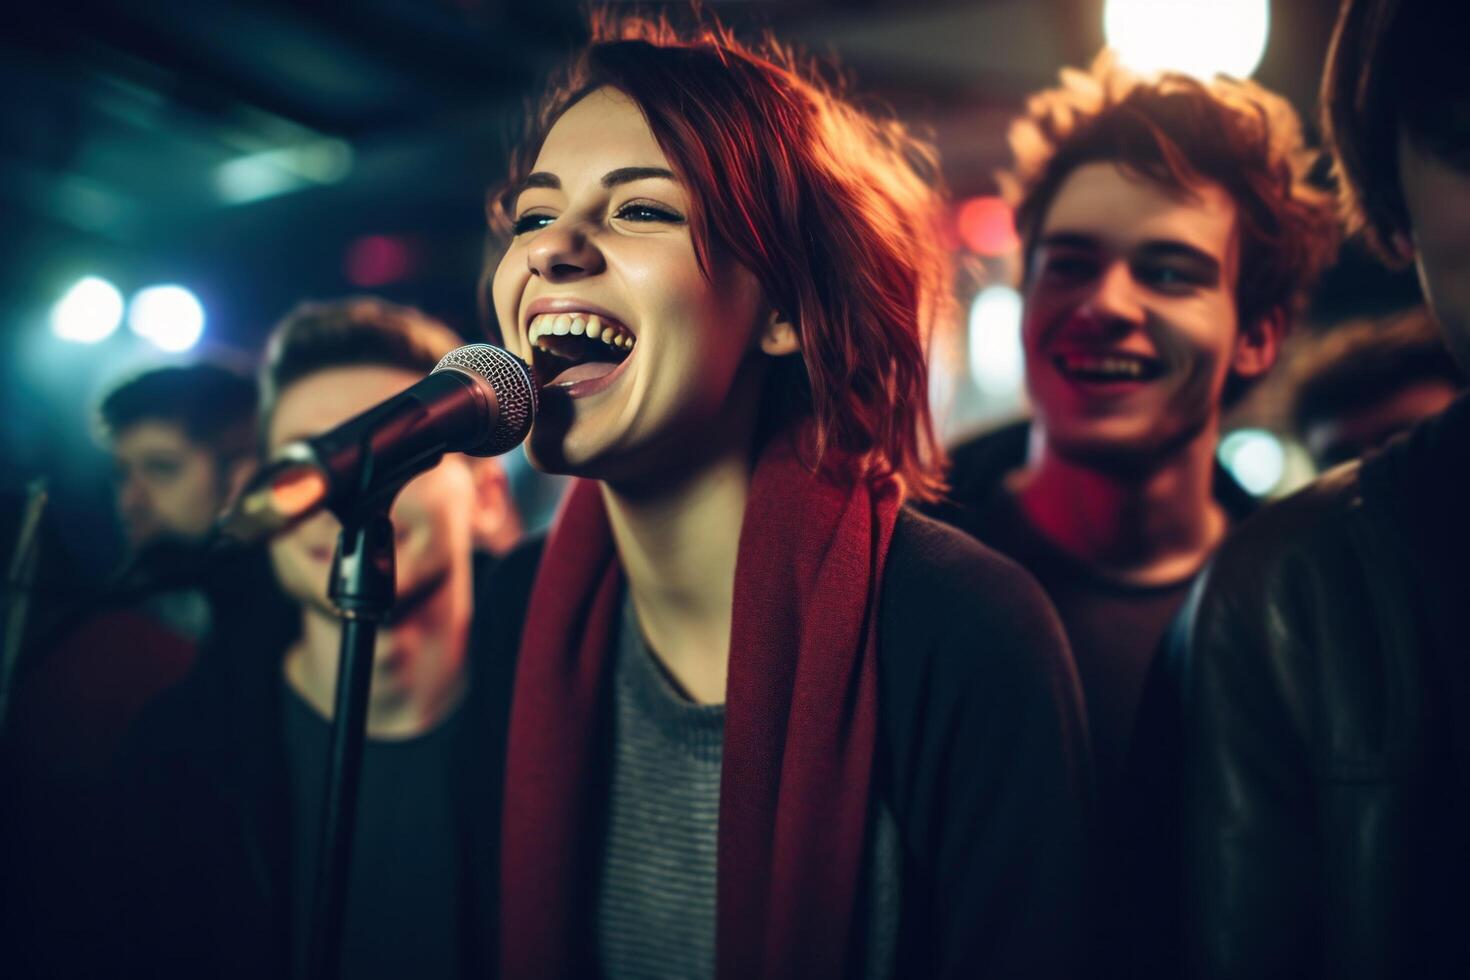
(122,122)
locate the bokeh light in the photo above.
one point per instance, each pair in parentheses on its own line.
(1198,37)
(89,312)
(1255,458)
(987,226)
(377,260)
(170,317)
(257,176)
(997,363)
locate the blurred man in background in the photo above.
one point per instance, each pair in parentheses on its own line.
(223,779)
(1328,742)
(182,441)
(1361,384)
(1169,235)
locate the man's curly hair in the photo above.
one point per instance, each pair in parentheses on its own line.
(1180,133)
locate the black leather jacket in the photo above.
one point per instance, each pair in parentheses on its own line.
(1327,703)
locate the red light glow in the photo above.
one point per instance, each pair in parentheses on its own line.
(987,226)
(377,260)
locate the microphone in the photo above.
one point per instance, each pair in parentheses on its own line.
(479,400)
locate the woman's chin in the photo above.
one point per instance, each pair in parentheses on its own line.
(555,450)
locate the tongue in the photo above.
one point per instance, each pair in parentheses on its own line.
(585,371)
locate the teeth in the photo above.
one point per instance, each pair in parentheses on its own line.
(1121,366)
(578,324)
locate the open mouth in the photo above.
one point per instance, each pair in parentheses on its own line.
(1110,368)
(570,348)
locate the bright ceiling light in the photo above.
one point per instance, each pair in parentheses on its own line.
(170,317)
(1198,37)
(89,312)
(997,364)
(1255,458)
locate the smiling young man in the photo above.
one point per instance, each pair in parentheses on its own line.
(1168,234)
(223,780)
(1328,745)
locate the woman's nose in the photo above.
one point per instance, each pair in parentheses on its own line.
(563,251)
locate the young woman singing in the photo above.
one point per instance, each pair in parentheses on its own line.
(763,720)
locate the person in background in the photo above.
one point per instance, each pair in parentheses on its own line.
(182,444)
(1328,738)
(182,441)
(221,785)
(1169,234)
(1363,383)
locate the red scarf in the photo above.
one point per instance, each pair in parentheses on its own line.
(801,708)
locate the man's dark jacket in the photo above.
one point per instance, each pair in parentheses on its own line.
(1134,908)
(1327,705)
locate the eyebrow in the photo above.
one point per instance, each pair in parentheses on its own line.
(626,175)
(622,175)
(1172,249)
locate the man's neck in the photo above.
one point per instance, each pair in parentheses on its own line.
(1146,525)
(678,549)
(435,638)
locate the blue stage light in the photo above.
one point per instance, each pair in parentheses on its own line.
(89,312)
(169,317)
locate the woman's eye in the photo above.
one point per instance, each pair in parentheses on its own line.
(642,212)
(531,222)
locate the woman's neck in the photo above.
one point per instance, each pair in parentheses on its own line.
(1152,526)
(678,549)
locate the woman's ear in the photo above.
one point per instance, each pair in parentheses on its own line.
(778,337)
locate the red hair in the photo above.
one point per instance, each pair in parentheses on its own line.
(835,211)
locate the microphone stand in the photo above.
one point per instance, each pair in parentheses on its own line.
(362,590)
(19,584)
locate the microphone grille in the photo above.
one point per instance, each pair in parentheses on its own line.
(515,392)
